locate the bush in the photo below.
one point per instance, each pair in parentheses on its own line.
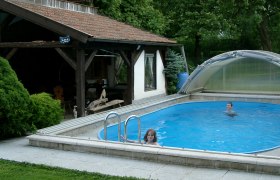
(14,103)
(174,65)
(46,110)
(21,113)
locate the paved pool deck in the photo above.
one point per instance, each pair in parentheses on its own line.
(18,149)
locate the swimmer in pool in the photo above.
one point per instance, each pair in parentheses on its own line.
(150,138)
(229,111)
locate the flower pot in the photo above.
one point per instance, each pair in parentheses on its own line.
(182,77)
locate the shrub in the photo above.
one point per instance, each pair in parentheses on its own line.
(21,113)
(14,103)
(46,110)
(174,65)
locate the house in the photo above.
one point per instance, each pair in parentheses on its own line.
(51,43)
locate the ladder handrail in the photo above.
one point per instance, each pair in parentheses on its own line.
(119,124)
(139,127)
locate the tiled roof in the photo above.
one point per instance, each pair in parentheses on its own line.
(95,26)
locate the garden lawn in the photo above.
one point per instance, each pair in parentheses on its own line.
(21,170)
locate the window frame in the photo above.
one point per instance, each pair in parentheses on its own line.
(150,81)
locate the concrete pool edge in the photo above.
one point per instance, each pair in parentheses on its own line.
(59,137)
(124,111)
(231,161)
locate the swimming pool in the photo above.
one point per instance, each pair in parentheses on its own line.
(205,126)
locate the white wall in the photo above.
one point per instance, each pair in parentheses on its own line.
(139,78)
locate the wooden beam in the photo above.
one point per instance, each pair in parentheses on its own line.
(123,55)
(4,24)
(130,83)
(34,44)
(80,82)
(185,59)
(89,60)
(136,55)
(43,21)
(11,53)
(108,46)
(70,61)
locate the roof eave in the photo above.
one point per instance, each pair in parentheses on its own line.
(74,33)
(43,21)
(151,43)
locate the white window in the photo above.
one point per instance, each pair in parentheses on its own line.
(150,72)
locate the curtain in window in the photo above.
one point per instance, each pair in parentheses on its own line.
(150,82)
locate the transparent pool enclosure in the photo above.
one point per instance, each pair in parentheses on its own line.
(242,71)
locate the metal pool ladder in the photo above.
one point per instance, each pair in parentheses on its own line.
(119,124)
(139,125)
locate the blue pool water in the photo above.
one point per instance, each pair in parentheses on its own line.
(205,126)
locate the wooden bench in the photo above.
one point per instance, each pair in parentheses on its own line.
(105,105)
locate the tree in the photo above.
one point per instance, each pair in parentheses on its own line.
(20,113)
(192,21)
(222,25)
(15,102)
(138,13)
(174,65)
(205,27)
(257,21)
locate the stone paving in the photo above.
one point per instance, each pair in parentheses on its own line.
(18,150)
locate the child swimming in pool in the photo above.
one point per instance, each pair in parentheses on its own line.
(229,111)
(150,138)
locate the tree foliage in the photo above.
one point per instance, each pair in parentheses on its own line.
(204,24)
(174,65)
(15,103)
(20,113)
(138,13)
(257,21)
(193,22)
(205,27)
(46,110)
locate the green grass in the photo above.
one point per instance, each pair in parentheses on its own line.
(21,170)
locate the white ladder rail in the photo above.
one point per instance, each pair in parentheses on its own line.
(139,127)
(106,124)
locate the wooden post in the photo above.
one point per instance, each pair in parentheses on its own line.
(184,56)
(130,76)
(80,82)
(131,80)
(11,53)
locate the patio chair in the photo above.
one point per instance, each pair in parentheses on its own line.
(102,103)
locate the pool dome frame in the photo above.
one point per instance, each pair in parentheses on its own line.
(240,71)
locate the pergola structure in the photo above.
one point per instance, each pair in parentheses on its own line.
(38,24)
